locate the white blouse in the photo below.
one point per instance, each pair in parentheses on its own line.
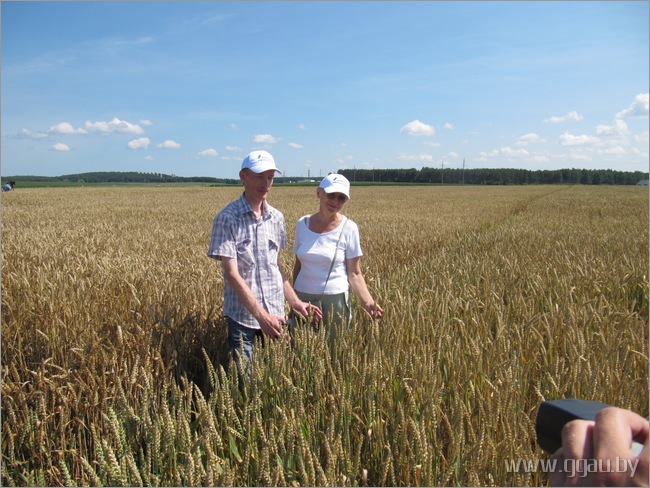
(315,253)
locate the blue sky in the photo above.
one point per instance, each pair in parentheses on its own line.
(189,88)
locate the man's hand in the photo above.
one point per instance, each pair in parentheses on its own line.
(599,451)
(271,325)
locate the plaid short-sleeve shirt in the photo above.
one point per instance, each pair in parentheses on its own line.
(255,244)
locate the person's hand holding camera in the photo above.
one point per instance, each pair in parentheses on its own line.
(599,452)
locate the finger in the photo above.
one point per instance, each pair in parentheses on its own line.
(271,331)
(277,328)
(577,439)
(615,429)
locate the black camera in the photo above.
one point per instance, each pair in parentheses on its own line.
(553,415)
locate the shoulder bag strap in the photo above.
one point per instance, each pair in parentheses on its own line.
(336,249)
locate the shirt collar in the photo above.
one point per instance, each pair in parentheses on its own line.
(245,207)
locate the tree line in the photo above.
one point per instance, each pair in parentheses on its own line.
(496,176)
(426,175)
(124,177)
(137,177)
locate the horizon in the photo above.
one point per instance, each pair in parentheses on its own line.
(190,88)
(279,177)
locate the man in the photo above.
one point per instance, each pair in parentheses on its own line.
(247,236)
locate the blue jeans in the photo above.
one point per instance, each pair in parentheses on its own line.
(238,337)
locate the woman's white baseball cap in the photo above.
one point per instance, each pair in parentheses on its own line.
(334,183)
(259,162)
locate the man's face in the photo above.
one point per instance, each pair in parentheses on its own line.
(257,185)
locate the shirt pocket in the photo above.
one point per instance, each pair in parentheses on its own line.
(245,256)
(274,250)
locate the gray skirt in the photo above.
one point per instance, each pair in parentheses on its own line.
(336,311)
(336,308)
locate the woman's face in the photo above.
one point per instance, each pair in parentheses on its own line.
(331,202)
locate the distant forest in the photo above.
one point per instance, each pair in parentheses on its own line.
(413,176)
(121,177)
(497,176)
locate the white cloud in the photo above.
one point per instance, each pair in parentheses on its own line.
(448,126)
(170,144)
(27,134)
(426,158)
(302,127)
(614,151)
(59,146)
(432,144)
(212,153)
(539,158)
(140,143)
(146,122)
(638,108)
(232,148)
(504,151)
(570,116)
(576,156)
(265,138)
(642,137)
(510,152)
(417,128)
(567,139)
(115,126)
(529,139)
(65,128)
(295,146)
(149,157)
(619,128)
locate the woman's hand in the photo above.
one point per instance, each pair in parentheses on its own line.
(375,311)
(308,311)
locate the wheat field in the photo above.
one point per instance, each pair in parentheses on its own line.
(115,368)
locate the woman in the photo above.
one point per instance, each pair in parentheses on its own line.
(328,255)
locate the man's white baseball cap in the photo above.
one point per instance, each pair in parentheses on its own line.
(334,183)
(259,162)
